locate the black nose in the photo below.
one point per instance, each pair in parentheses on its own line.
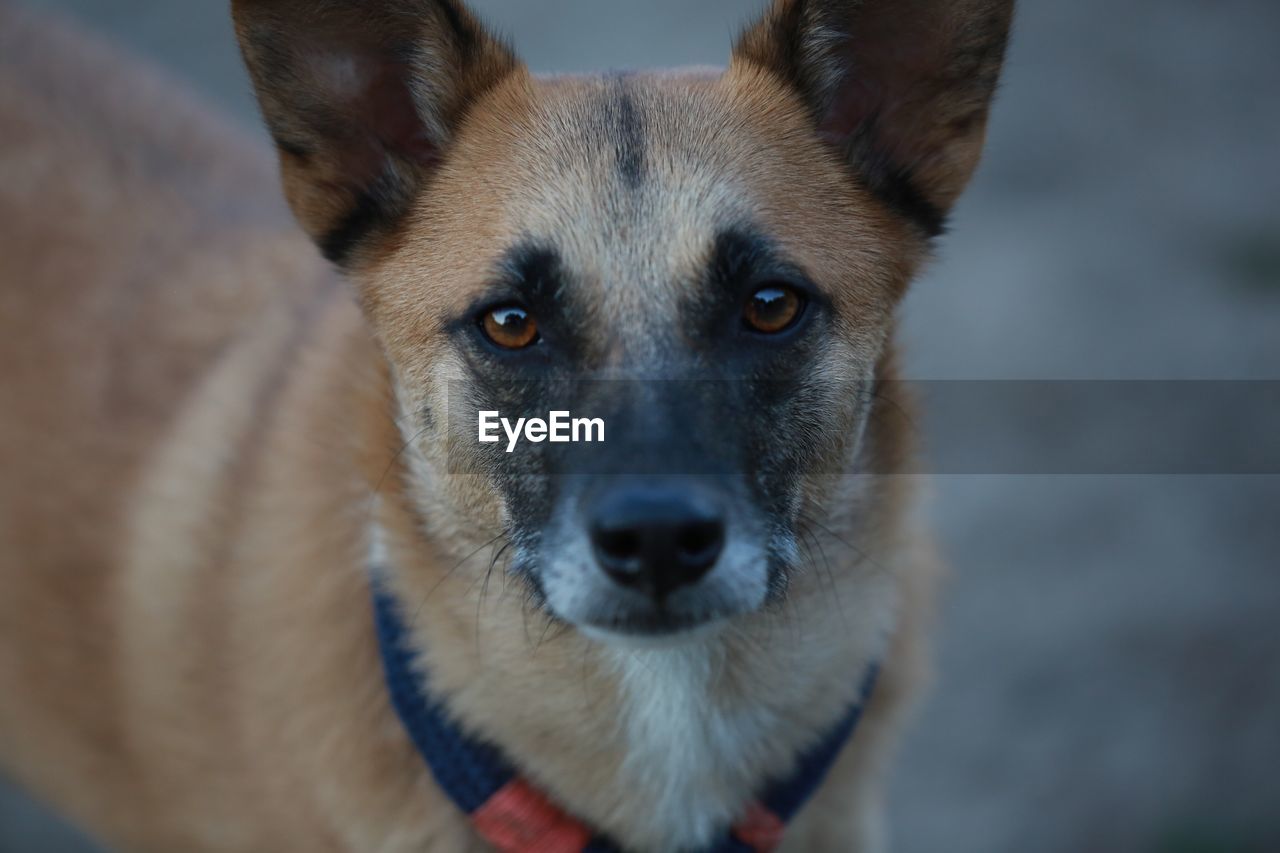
(656,538)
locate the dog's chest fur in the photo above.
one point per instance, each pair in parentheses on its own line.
(687,751)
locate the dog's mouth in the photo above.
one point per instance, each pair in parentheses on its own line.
(652,623)
(600,609)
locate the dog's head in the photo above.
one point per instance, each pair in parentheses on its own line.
(706,262)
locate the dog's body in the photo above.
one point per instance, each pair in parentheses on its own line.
(206,456)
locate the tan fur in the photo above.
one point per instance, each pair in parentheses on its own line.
(203,433)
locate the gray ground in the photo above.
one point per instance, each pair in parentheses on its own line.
(1108,671)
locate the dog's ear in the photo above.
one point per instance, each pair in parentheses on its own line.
(901,87)
(361,98)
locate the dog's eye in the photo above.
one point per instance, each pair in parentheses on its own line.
(773,309)
(510,327)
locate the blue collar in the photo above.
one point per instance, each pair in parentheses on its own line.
(513,816)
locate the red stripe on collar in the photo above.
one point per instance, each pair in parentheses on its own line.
(519,819)
(760,829)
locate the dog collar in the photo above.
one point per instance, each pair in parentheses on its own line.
(513,816)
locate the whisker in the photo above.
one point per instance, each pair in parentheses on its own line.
(484,587)
(448,574)
(386,472)
(827,571)
(863,556)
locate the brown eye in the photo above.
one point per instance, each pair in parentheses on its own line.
(774,308)
(510,327)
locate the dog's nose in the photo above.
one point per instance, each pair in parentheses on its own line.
(656,538)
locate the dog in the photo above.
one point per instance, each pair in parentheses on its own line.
(264,585)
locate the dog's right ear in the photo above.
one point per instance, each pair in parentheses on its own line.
(901,89)
(362,98)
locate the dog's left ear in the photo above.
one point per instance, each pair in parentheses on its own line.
(901,87)
(363,99)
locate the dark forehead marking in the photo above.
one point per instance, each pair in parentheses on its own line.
(624,127)
(742,257)
(533,269)
(738,253)
(528,272)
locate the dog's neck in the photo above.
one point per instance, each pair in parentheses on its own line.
(663,744)
(502,805)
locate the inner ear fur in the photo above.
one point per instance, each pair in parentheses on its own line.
(362,98)
(901,88)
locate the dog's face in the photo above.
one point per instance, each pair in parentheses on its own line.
(707,263)
(675,258)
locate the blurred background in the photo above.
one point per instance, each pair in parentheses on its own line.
(1109,646)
